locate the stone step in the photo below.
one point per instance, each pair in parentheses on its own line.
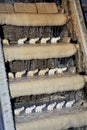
(46,85)
(38,51)
(73,117)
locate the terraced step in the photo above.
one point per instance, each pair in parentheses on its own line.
(46,85)
(73,117)
(21,52)
(31,14)
(33,19)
